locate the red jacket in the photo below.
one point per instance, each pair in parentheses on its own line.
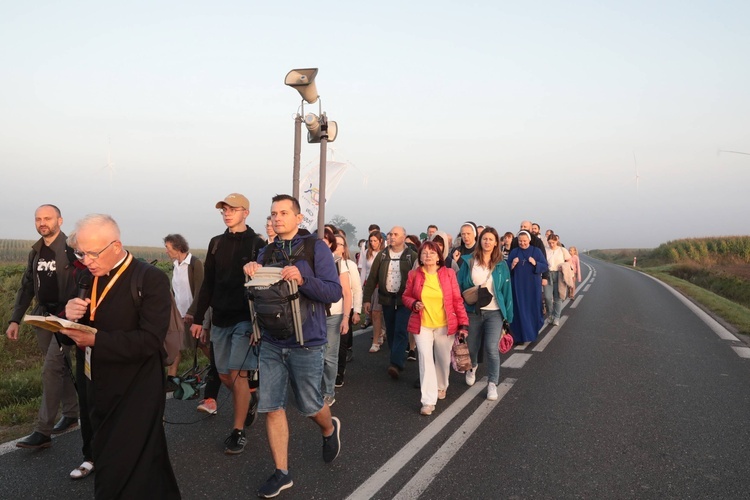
(452,300)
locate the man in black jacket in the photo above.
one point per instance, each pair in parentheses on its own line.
(49,279)
(223,289)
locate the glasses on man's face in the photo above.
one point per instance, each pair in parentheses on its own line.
(91,255)
(230,210)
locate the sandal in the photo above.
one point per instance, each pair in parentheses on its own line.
(82,471)
(374,347)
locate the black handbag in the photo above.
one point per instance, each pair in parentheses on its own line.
(484,297)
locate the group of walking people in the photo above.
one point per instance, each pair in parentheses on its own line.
(516,278)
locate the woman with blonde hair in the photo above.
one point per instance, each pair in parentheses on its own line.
(351,316)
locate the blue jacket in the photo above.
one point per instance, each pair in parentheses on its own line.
(501,285)
(321,287)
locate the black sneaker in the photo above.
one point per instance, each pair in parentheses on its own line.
(339,380)
(332,443)
(277,482)
(235,443)
(252,410)
(412,356)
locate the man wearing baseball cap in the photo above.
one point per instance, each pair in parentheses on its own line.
(223,289)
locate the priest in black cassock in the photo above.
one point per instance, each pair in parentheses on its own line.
(124,370)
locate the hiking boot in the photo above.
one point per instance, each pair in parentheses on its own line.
(208,405)
(332,443)
(252,410)
(235,443)
(277,482)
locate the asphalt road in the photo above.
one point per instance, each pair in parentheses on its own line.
(632,396)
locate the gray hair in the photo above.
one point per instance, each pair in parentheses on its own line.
(93,220)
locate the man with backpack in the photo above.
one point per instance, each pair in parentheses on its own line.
(223,289)
(49,277)
(309,263)
(388,273)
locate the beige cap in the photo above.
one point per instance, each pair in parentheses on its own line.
(234,200)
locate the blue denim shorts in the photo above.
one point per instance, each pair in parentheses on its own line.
(232,349)
(302,366)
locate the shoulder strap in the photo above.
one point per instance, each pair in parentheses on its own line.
(136,284)
(308,248)
(215,246)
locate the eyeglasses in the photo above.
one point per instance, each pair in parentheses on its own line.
(230,210)
(91,255)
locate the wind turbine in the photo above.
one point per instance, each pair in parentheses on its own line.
(733,152)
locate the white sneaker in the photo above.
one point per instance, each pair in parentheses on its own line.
(491,392)
(471,376)
(556,322)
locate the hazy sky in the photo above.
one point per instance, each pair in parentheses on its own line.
(490,111)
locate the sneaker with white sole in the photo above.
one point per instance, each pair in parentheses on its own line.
(329,400)
(471,376)
(235,443)
(332,443)
(491,392)
(556,322)
(275,484)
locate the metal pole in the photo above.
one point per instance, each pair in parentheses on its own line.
(297,148)
(322,176)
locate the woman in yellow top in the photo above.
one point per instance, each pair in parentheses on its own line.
(438,313)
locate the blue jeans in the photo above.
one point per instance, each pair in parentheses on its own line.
(333,328)
(485,328)
(303,366)
(552,296)
(396,320)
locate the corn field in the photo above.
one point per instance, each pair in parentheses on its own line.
(707,251)
(17,251)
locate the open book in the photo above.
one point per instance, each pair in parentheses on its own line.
(55,324)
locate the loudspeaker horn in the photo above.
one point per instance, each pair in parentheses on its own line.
(304,81)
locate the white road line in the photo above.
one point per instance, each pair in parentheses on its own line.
(714,325)
(586,288)
(550,335)
(592,280)
(576,301)
(389,469)
(423,478)
(743,352)
(516,360)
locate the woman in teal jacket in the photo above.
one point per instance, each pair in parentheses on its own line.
(487,267)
